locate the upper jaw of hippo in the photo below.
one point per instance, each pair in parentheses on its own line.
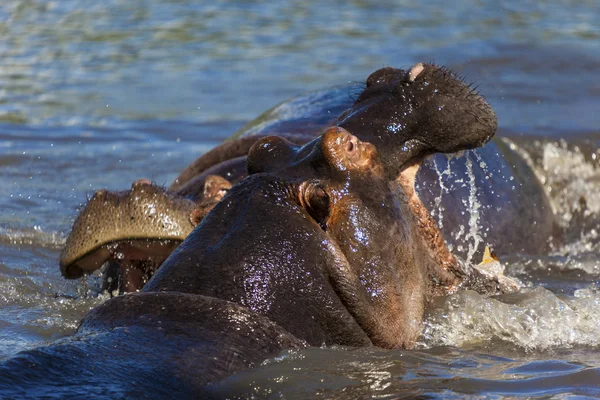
(146,218)
(409,115)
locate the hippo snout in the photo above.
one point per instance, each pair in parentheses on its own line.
(409,115)
(144,212)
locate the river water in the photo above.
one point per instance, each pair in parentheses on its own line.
(98,94)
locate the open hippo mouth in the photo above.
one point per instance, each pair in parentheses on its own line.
(400,118)
(326,234)
(109,228)
(136,228)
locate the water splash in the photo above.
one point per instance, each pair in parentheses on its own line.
(34,310)
(568,173)
(533,319)
(438,209)
(473,209)
(570,179)
(31,237)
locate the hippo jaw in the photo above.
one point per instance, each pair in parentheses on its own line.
(146,219)
(411,114)
(136,230)
(387,266)
(378,274)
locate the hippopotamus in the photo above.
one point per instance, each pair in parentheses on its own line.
(321,244)
(490,196)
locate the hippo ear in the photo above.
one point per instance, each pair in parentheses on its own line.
(269,154)
(205,188)
(215,188)
(384,76)
(344,152)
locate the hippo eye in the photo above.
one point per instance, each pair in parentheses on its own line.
(315,200)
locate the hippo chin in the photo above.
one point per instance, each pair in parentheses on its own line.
(406,115)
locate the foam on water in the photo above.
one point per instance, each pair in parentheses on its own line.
(473,236)
(533,319)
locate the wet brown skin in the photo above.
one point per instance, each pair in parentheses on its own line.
(390,112)
(326,234)
(323,248)
(321,244)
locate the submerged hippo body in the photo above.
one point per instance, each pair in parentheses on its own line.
(325,243)
(512,213)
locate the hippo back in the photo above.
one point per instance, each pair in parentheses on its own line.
(148,345)
(304,115)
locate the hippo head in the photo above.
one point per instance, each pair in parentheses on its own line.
(411,114)
(317,238)
(137,228)
(329,239)
(123,211)
(406,115)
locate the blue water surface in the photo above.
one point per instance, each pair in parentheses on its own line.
(98,94)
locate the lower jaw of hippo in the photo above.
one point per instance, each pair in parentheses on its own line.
(448,273)
(131,263)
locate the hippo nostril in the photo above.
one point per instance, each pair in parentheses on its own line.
(350,146)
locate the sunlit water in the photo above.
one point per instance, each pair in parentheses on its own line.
(98,94)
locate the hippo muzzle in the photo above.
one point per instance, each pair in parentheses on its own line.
(146,218)
(136,228)
(412,114)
